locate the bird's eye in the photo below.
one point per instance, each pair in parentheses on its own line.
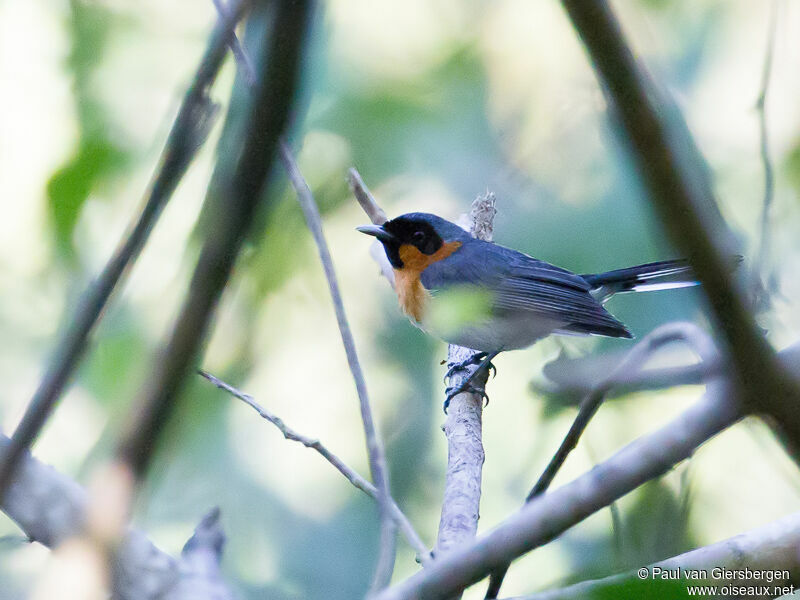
(418,236)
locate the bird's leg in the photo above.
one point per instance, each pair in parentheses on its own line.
(484,361)
(475,359)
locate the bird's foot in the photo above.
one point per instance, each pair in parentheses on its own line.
(484,362)
(476,359)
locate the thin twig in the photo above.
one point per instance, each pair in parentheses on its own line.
(377,458)
(189,131)
(689,333)
(413,539)
(766,160)
(683,196)
(235,194)
(365,198)
(377,216)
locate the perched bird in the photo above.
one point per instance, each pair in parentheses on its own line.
(490,298)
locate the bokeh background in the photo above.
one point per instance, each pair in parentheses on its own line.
(434,101)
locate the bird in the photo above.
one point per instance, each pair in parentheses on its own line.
(493,299)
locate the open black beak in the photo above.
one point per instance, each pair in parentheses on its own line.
(378,232)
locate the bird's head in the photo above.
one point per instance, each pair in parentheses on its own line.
(416,240)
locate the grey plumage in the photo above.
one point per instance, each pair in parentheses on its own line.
(524,286)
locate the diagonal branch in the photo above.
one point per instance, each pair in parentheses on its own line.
(413,539)
(771,548)
(377,458)
(365,198)
(546,517)
(189,131)
(243,62)
(684,200)
(234,196)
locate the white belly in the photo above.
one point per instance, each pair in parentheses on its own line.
(468,321)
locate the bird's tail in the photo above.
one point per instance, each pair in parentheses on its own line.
(662,275)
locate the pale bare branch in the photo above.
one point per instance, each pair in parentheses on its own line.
(463,427)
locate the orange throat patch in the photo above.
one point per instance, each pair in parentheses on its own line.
(411,293)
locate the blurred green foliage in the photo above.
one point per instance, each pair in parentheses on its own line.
(99,154)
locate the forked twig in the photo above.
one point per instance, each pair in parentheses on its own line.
(549,515)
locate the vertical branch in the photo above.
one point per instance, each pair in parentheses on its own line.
(377,458)
(463,427)
(189,131)
(460,507)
